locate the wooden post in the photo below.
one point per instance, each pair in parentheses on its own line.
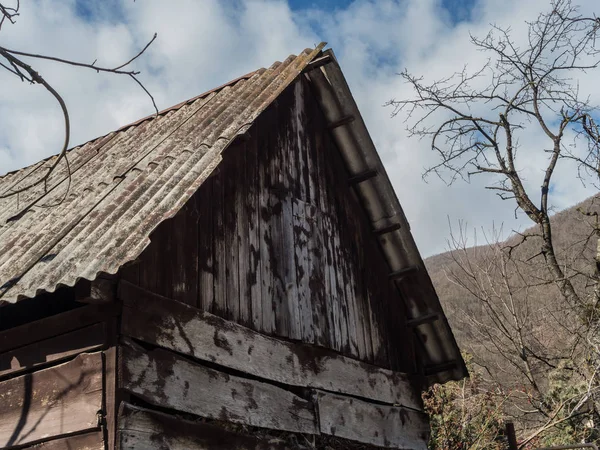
(512,438)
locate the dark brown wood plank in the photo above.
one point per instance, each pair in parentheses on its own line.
(253,252)
(242,250)
(168,380)
(170,324)
(110,361)
(52,350)
(51,402)
(141,428)
(55,325)
(302,214)
(206,238)
(87,441)
(383,426)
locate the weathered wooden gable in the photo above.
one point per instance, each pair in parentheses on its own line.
(277,241)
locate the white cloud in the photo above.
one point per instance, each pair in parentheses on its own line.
(202,44)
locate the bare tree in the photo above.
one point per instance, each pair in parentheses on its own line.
(14,61)
(476,122)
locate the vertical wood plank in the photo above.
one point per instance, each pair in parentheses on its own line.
(264,229)
(206,242)
(302,230)
(241,211)
(230,208)
(292,309)
(219,306)
(254,278)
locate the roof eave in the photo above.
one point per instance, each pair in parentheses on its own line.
(443,360)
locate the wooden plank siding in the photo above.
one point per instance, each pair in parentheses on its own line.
(87,441)
(52,402)
(168,380)
(169,324)
(141,428)
(51,350)
(379,425)
(276,240)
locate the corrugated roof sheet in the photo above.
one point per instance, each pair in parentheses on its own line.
(123,185)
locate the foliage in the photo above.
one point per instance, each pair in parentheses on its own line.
(533,320)
(465,415)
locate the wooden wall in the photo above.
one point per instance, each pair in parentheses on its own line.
(57,381)
(276,240)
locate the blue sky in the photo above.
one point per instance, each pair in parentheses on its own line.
(458,9)
(205,43)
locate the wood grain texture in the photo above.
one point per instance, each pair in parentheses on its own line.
(52,350)
(87,441)
(383,426)
(166,379)
(265,264)
(141,428)
(172,325)
(51,402)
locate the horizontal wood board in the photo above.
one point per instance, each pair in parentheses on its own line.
(168,380)
(276,240)
(55,325)
(52,350)
(383,426)
(87,441)
(51,402)
(141,428)
(175,326)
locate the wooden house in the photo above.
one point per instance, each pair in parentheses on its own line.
(234,272)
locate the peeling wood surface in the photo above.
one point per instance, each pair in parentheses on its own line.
(283,245)
(383,426)
(51,402)
(175,326)
(168,380)
(52,350)
(88,441)
(141,428)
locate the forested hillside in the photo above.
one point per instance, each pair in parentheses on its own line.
(526,345)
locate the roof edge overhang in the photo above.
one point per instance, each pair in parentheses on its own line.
(444,361)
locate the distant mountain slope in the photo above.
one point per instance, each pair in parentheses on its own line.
(574,240)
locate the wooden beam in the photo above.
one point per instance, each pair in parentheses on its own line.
(432,369)
(343,121)
(141,428)
(55,325)
(403,272)
(168,380)
(426,318)
(52,350)
(383,426)
(388,229)
(364,176)
(87,441)
(318,62)
(201,335)
(52,402)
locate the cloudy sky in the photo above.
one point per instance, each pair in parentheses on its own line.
(204,43)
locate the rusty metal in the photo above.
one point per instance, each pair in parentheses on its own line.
(123,185)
